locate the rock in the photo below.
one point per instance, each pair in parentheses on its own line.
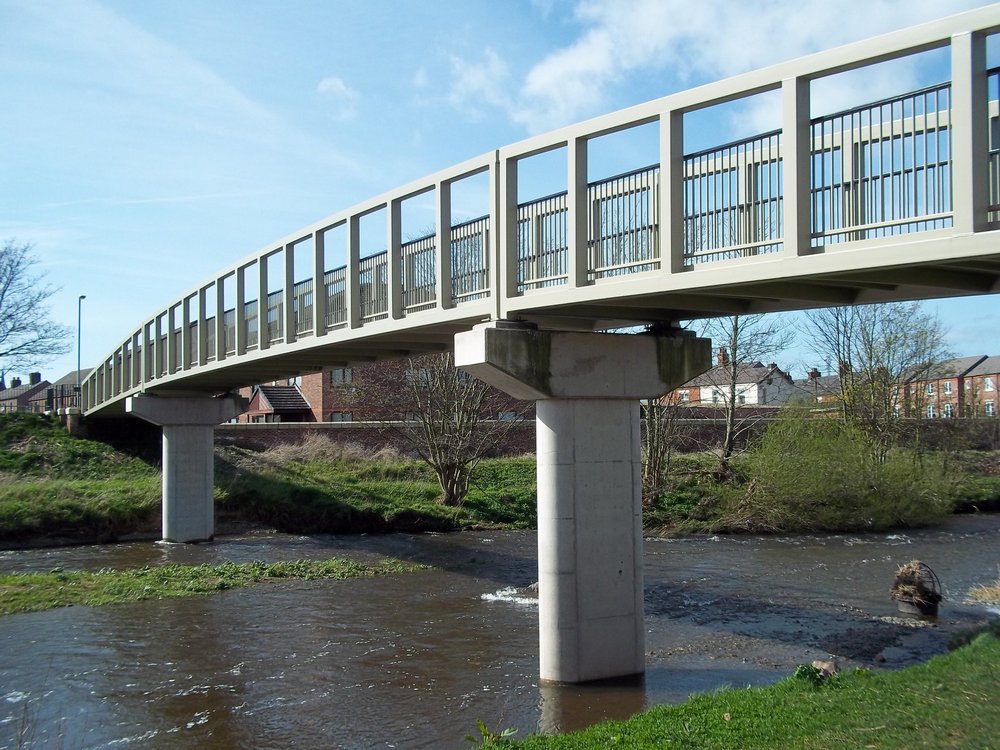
(826,668)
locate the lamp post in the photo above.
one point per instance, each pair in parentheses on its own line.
(79,310)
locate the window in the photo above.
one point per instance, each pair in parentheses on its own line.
(990,410)
(297,380)
(930,389)
(507,416)
(930,411)
(685,397)
(947,387)
(341,416)
(419,376)
(947,411)
(341,375)
(742,398)
(988,383)
(716,396)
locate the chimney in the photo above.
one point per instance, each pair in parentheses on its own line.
(34,378)
(723,357)
(814,373)
(15,382)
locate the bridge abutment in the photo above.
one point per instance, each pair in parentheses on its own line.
(188,459)
(587,387)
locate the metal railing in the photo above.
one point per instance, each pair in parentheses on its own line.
(733,200)
(880,170)
(883,169)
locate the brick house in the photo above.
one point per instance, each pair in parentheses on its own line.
(331,396)
(980,389)
(23,396)
(818,388)
(940,392)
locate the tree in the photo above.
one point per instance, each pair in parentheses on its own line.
(28,336)
(878,349)
(660,439)
(742,340)
(449,419)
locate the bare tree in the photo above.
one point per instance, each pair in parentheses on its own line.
(877,349)
(28,336)
(448,418)
(659,444)
(744,340)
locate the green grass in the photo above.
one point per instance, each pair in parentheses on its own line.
(952,701)
(32,592)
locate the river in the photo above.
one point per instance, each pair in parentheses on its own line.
(412,661)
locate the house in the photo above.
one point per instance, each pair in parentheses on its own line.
(60,394)
(21,396)
(980,389)
(756,385)
(278,403)
(818,388)
(939,391)
(332,395)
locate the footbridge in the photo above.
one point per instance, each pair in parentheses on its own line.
(890,200)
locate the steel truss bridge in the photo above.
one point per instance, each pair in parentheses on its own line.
(895,199)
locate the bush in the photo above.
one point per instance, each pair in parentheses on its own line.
(817,474)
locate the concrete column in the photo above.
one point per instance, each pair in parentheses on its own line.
(587,387)
(188,458)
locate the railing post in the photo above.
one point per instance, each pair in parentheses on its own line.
(138,356)
(171,340)
(577,204)
(202,330)
(796,154)
(148,352)
(240,312)
(319,283)
(394,258)
(352,284)
(263,305)
(442,240)
(288,294)
(969,132)
(671,198)
(505,249)
(220,319)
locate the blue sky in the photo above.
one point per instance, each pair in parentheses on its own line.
(145,145)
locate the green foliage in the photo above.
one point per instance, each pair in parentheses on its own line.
(32,592)
(818,474)
(948,702)
(489,738)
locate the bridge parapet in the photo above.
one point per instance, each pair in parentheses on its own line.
(896,199)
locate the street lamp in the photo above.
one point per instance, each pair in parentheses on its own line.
(79,310)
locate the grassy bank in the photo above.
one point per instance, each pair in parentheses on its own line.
(32,592)
(54,488)
(948,702)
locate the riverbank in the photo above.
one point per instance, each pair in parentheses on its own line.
(950,701)
(55,489)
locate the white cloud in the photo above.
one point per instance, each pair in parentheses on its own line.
(420,79)
(475,84)
(343,98)
(694,43)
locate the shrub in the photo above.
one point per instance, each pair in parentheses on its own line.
(817,474)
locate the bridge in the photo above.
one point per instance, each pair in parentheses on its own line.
(897,199)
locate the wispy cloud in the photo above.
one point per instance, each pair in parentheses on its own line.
(693,42)
(479,84)
(341,97)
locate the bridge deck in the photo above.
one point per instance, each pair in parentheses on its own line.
(895,199)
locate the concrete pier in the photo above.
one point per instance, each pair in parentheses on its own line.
(188,458)
(587,387)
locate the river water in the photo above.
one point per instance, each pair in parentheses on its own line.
(412,661)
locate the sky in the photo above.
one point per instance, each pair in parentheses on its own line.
(146,145)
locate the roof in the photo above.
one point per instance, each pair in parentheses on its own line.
(70,377)
(747,372)
(23,391)
(951,368)
(821,385)
(989,366)
(284,398)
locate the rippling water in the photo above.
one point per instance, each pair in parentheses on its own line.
(413,661)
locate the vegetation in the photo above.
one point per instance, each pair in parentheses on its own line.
(949,701)
(31,592)
(28,335)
